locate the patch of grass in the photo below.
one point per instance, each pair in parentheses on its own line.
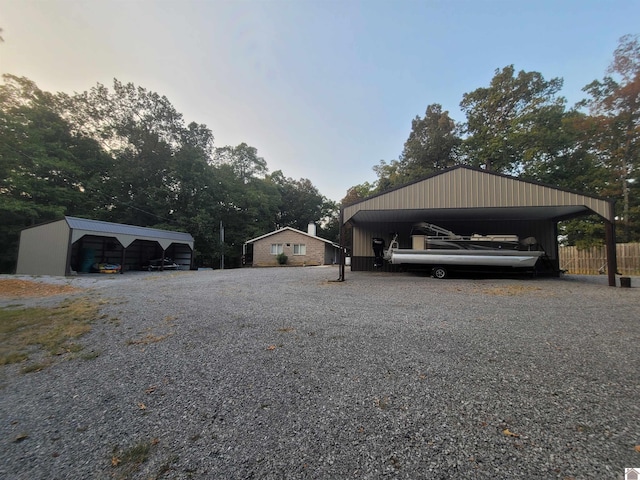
(92,355)
(13,357)
(35,367)
(166,467)
(51,331)
(129,460)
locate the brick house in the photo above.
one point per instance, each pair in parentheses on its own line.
(300,248)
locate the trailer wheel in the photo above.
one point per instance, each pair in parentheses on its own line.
(439,272)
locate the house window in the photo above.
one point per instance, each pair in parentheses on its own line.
(299,249)
(276,249)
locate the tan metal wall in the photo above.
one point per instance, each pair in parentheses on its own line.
(364,234)
(43,249)
(469,188)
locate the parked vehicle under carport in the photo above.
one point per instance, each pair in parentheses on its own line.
(159,264)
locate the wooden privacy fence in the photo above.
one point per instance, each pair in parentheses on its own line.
(593,260)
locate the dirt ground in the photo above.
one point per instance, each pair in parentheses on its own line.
(14,288)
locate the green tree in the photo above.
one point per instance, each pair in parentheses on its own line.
(358,192)
(46,171)
(195,205)
(300,203)
(142,132)
(389,175)
(575,167)
(125,155)
(511,121)
(244,160)
(432,144)
(572,163)
(244,199)
(614,105)
(249,199)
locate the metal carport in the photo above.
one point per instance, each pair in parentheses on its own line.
(468,200)
(53,248)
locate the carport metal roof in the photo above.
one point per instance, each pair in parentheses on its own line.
(463,192)
(125,234)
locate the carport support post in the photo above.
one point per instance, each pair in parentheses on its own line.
(341,267)
(612,262)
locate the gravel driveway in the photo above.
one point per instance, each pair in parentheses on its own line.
(283,373)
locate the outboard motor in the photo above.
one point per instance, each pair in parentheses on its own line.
(378,252)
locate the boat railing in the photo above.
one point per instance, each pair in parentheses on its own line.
(439,232)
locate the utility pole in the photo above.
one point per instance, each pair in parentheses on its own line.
(221,246)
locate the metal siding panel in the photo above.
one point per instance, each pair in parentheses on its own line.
(510,192)
(436,191)
(549,196)
(505,192)
(468,188)
(446,191)
(499,192)
(362,237)
(494,198)
(474,192)
(517,194)
(463,193)
(546,196)
(43,250)
(454,191)
(521,194)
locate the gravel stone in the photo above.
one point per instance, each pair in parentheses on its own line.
(278,373)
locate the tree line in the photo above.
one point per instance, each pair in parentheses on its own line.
(124,154)
(520,125)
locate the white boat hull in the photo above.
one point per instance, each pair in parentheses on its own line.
(488,258)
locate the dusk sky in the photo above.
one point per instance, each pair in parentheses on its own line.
(323,89)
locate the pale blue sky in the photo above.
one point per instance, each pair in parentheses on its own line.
(323,89)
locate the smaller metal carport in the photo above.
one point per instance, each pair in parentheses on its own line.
(469,200)
(60,247)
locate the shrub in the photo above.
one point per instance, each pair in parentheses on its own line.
(282,258)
